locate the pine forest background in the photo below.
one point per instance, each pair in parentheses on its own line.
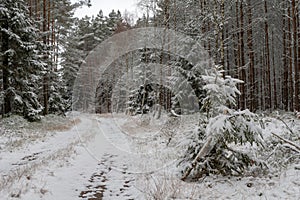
(43,45)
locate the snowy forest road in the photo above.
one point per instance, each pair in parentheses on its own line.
(116,157)
(80,163)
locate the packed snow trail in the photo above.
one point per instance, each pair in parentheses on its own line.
(59,166)
(99,159)
(14,164)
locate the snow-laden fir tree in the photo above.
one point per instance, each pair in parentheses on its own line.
(99,26)
(21,62)
(192,79)
(112,21)
(58,104)
(85,34)
(215,147)
(142,94)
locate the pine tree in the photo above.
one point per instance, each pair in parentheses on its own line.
(62,29)
(84,35)
(99,27)
(72,58)
(112,21)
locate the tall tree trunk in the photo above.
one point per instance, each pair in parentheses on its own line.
(262,80)
(285,87)
(252,103)
(294,21)
(49,34)
(5,71)
(209,42)
(238,51)
(268,90)
(227,53)
(53,41)
(297,64)
(45,79)
(222,45)
(274,73)
(242,57)
(290,55)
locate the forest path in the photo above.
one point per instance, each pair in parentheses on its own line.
(86,162)
(110,147)
(118,157)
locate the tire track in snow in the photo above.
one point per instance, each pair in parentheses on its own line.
(109,183)
(112,178)
(21,164)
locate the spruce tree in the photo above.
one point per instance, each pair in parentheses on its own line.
(99,26)
(112,21)
(222,132)
(86,33)
(72,58)
(21,63)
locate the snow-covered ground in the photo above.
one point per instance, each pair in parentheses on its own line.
(118,157)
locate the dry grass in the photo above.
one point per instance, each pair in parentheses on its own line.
(16,131)
(63,127)
(163,186)
(25,172)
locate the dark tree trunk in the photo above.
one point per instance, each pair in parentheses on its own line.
(268,93)
(290,50)
(242,57)
(5,68)
(285,87)
(238,49)
(45,79)
(252,103)
(297,65)
(274,73)
(294,21)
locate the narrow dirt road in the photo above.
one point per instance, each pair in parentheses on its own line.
(81,163)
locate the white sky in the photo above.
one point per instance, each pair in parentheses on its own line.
(106,6)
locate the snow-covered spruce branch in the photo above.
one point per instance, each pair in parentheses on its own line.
(222,130)
(288,142)
(207,147)
(291,131)
(209,150)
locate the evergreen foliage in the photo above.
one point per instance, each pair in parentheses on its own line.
(21,64)
(215,147)
(141,101)
(144,94)
(84,36)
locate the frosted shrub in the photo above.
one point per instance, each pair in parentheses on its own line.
(222,133)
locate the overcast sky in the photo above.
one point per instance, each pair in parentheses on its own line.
(106,6)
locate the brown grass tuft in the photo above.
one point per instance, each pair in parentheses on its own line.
(63,127)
